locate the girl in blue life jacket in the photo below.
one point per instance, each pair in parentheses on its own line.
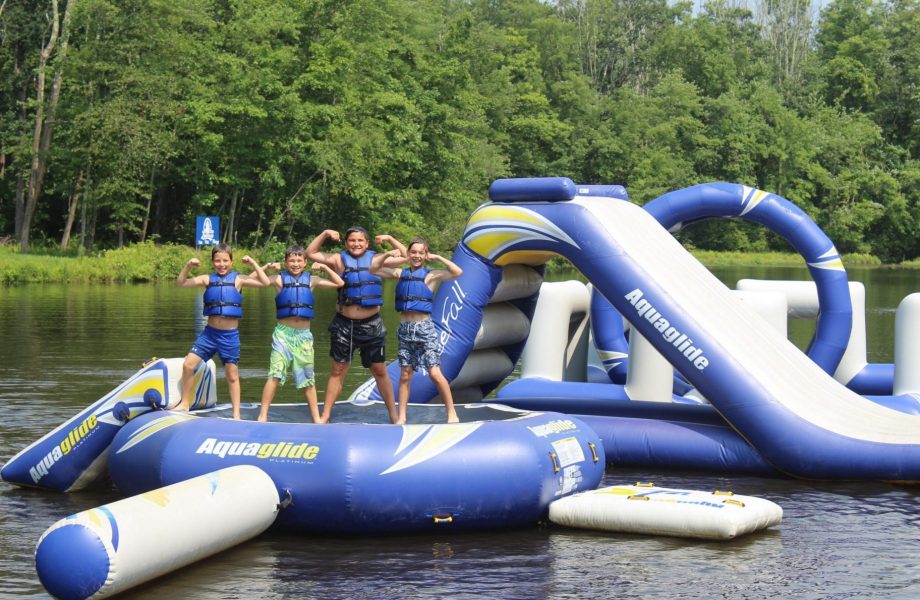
(292,339)
(223,306)
(419,341)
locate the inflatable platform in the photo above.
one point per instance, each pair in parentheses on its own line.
(496,468)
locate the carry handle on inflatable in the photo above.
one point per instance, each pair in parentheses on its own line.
(552,456)
(593,451)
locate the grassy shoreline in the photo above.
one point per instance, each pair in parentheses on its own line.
(150,263)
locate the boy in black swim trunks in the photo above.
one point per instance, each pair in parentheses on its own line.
(357,324)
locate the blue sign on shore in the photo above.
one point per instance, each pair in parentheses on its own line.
(207,231)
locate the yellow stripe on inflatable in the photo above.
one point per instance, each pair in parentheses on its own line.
(525,257)
(502,212)
(410,433)
(159,496)
(831,265)
(752,197)
(439,439)
(142,386)
(154,428)
(484,245)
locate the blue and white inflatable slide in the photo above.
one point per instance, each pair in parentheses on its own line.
(796,416)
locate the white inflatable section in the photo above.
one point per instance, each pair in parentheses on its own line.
(663,511)
(148,535)
(649,376)
(550,347)
(802,302)
(907,347)
(518,281)
(502,324)
(771,305)
(482,365)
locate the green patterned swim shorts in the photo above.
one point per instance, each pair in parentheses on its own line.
(292,349)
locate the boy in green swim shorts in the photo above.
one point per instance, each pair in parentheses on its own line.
(292,340)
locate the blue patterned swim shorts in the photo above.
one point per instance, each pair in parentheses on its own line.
(419,344)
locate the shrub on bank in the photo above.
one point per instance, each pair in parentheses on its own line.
(149,262)
(137,263)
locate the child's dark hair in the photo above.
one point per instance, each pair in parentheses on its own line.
(295,250)
(221,247)
(418,240)
(357,229)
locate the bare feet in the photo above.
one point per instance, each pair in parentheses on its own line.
(182,406)
(452,418)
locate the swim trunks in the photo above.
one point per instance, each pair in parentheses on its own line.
(367,335)
(419,345)
(292,348)
(223,342)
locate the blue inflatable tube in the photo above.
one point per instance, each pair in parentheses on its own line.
(599,399)
(677,445)
(655,434)
(877,379)
(677,209)
(361,478)
(608,332)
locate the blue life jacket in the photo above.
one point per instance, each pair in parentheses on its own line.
(360,287)
(411,291)
(295,299)
(221,298)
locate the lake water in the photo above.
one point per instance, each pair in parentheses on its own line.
(65,346)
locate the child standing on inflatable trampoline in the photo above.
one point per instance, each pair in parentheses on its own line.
(292,340)
(419,345)
(357,324)
(223,306)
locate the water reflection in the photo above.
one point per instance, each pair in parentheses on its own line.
(66,346)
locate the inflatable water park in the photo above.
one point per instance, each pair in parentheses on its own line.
(652,363)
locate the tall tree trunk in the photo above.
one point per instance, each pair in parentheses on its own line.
(83,217)
(72,204)
(146,222)
(20,201)
(231,225)
(44,122)
(91,224)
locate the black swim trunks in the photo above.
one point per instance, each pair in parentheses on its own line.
(367,335)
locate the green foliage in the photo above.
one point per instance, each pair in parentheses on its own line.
(286,117)
(133,264)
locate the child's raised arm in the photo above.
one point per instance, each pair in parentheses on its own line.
(451,272)
(259,279)
(383,263)
(389,239)
(333,279)
(183,280)
(313,249)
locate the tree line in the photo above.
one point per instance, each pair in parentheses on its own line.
(122,121)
